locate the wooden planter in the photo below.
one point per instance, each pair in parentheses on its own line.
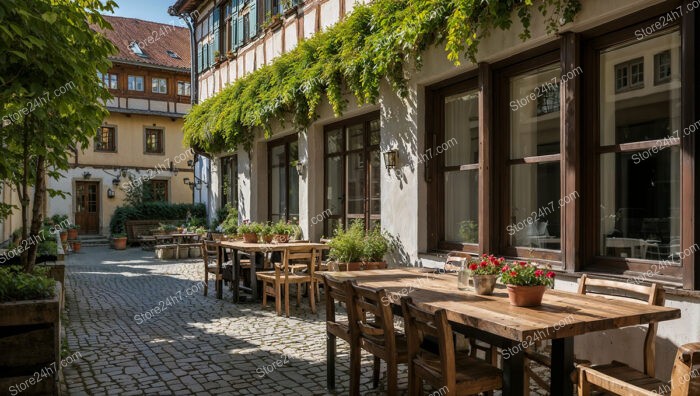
(72,233)
(119,243)
(29,341)
(359,266)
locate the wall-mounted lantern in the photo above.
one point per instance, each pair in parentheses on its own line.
(115,181)
(87,175)
(391,158)
(110,193)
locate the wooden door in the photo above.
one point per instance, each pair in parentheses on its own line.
(87,207)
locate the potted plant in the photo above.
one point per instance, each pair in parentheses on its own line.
(73,231)
(231,54)
(267,233)
(282,231)
(526,283)
(249,231)
(165,229)
(485,271)
(76,246)
(30,312)
(119,241)
(358,250)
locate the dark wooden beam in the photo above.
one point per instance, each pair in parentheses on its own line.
(485,157)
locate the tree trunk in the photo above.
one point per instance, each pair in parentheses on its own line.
(37,212)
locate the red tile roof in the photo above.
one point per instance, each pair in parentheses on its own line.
(154,39)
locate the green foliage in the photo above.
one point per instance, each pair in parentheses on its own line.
(283,228)
(521,273)
(17,285)
(229,222)
(469,230)
(162,227)
(48,248)
(486,265)
(153,211)
(374,43)
(195,222)
(353,245)
(118,235)
(250,228)
(267,230)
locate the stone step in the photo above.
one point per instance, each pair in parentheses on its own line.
(93,240)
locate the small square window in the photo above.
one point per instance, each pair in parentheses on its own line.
(629,75)
(135,83)
(106,139)
(153,141)
(183,88)
(159,85)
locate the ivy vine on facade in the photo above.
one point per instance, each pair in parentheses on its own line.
(377,42)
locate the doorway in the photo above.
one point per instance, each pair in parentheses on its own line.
(87,207)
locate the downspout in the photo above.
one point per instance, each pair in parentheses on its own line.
(194,87)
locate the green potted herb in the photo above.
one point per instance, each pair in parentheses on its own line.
(355,249)
(119,241)
(526,283)
(250,231)
(282,231)
(267,233)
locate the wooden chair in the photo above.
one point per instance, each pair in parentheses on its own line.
(283,275)
(336,291)
(685,377)
(210,255)
(458,373)
(652,295)
(375,335)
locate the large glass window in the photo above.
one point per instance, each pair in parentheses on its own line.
(106,139)
(153,141)
(283,181)
(534,169)
(639,160)
(352,173)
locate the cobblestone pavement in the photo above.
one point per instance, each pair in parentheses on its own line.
(195,344)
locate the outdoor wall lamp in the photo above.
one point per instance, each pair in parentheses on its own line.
(115,181)
(110,193)
(300,167)
(124,172)
(173,169)
(87,175)
(391,158)
(190,163)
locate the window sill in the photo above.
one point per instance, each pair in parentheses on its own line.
(671,286)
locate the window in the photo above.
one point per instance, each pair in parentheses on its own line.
(283,179)
(108,80)
(135,83)
(629,75)
(159,85)
(153,141)
(134,47)
(172,54)
(183,88)
(453,153)
(229,181)
(662,67)
(352,172)
(106,139)
(639,156)
(533,163)
(155,191)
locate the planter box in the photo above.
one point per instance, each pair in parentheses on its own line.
(357,266)
(195,252)
(165,252)
(30,342)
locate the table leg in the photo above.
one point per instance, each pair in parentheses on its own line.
(219,272)
(514,373)
(236,276)
(562,366)
(259,260)
(330,361)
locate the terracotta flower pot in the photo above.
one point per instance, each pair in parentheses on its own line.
(267,238)
(119,243)
(250,237)
(64,236)
(526,296)
(282,238)
(72,233)
(484,284)
(76,247)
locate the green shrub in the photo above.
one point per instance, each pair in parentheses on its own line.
(250,228)
(17,285)
(283,228)
(375,246)
(229,224)
(153,211)
(47,248)
(354,245)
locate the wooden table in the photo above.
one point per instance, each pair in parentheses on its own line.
(258,250)
(561,317)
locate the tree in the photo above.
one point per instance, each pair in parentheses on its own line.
(51,100)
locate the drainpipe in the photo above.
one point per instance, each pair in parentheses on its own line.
(190,22)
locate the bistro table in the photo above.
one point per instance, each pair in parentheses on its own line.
(561,317)
(258,250)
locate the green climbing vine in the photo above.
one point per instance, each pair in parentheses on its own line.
(374,43)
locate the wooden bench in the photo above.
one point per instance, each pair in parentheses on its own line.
(137,228)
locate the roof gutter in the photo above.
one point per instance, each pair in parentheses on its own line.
(190,20)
